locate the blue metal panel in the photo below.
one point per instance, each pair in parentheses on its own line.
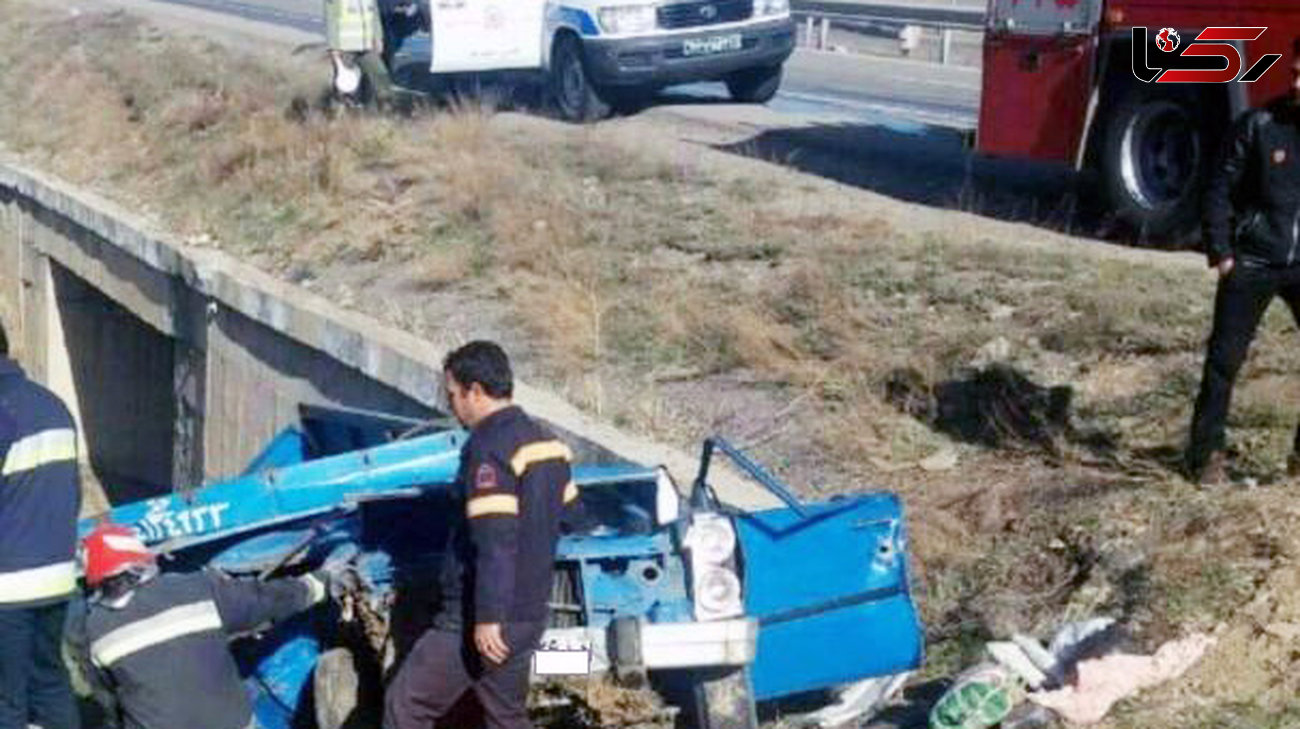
(286,449)
(294,492)
(613,547)
(640,575)
(836,579)
(611,474)
(281,670)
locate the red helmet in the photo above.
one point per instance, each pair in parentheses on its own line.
(111,550)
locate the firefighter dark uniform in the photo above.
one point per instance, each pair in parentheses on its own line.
(162,659)
(1252,216)
(40,496)
(513,488)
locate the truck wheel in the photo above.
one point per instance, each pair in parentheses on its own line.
(755,85)
(574,96)
(724,699)
(1154,158)
(340,692)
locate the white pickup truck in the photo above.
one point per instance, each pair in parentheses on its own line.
(593,55)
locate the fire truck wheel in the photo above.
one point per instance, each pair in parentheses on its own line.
(724,699)
(1153,162)
(755,85)
(575,97)
(337,687)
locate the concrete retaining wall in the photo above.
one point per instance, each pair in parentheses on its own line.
(179,363)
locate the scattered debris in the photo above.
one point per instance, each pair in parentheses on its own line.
(858,700)
(1100,682)
(578,703)
(1079,677)
(945,459)
(981,697)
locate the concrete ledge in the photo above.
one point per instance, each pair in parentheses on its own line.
(383,353)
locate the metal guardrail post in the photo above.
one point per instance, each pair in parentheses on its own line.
(915,22)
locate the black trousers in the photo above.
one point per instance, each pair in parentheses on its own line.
(1239,305)
(34,688)
(444,665)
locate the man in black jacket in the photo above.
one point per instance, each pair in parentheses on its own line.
(513,485)
(1253,239)
(154,647)
(40,494)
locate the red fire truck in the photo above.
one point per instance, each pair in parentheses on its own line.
(1061,84)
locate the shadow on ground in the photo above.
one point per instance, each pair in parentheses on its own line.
(932,166)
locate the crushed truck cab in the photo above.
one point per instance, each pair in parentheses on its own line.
(592,55)
(746,607)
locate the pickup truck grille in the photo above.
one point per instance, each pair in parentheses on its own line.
(696,14)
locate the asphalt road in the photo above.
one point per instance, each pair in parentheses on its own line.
(894,126)
(835,86)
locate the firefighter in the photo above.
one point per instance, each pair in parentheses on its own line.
(514,482)
(40,496)
(1257,187)
(153,647)
(352,30)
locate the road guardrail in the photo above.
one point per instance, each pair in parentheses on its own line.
(818,18)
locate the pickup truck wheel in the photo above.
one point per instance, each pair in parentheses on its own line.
(755,85)
(339,691)
(1153,163)
(574,96)
(724,699)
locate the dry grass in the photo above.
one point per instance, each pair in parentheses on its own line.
(651,292)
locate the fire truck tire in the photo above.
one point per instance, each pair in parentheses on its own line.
(755,85)
(1153,161)
(337,688)
(724,699)
(573,95)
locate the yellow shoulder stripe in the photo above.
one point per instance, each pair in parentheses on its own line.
(41,449)
(533,453)
(494,505)
(570,492)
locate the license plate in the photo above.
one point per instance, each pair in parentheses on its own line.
(713,44)
(552,661)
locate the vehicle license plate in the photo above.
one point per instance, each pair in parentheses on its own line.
(712,45)
(568,661)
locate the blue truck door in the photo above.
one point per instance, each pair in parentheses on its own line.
(831,595)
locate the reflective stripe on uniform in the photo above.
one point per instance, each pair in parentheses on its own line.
(545,450)
(38,583)
(41,449)
(352,25)
(496,504)
(570,492)
(197,617)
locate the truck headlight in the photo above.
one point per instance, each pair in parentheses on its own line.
(717,594)
(772,7)
(716,588)
(711,538)
(624,19)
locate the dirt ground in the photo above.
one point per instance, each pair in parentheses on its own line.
(850,341)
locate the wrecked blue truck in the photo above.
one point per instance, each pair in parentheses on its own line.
(651,588)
